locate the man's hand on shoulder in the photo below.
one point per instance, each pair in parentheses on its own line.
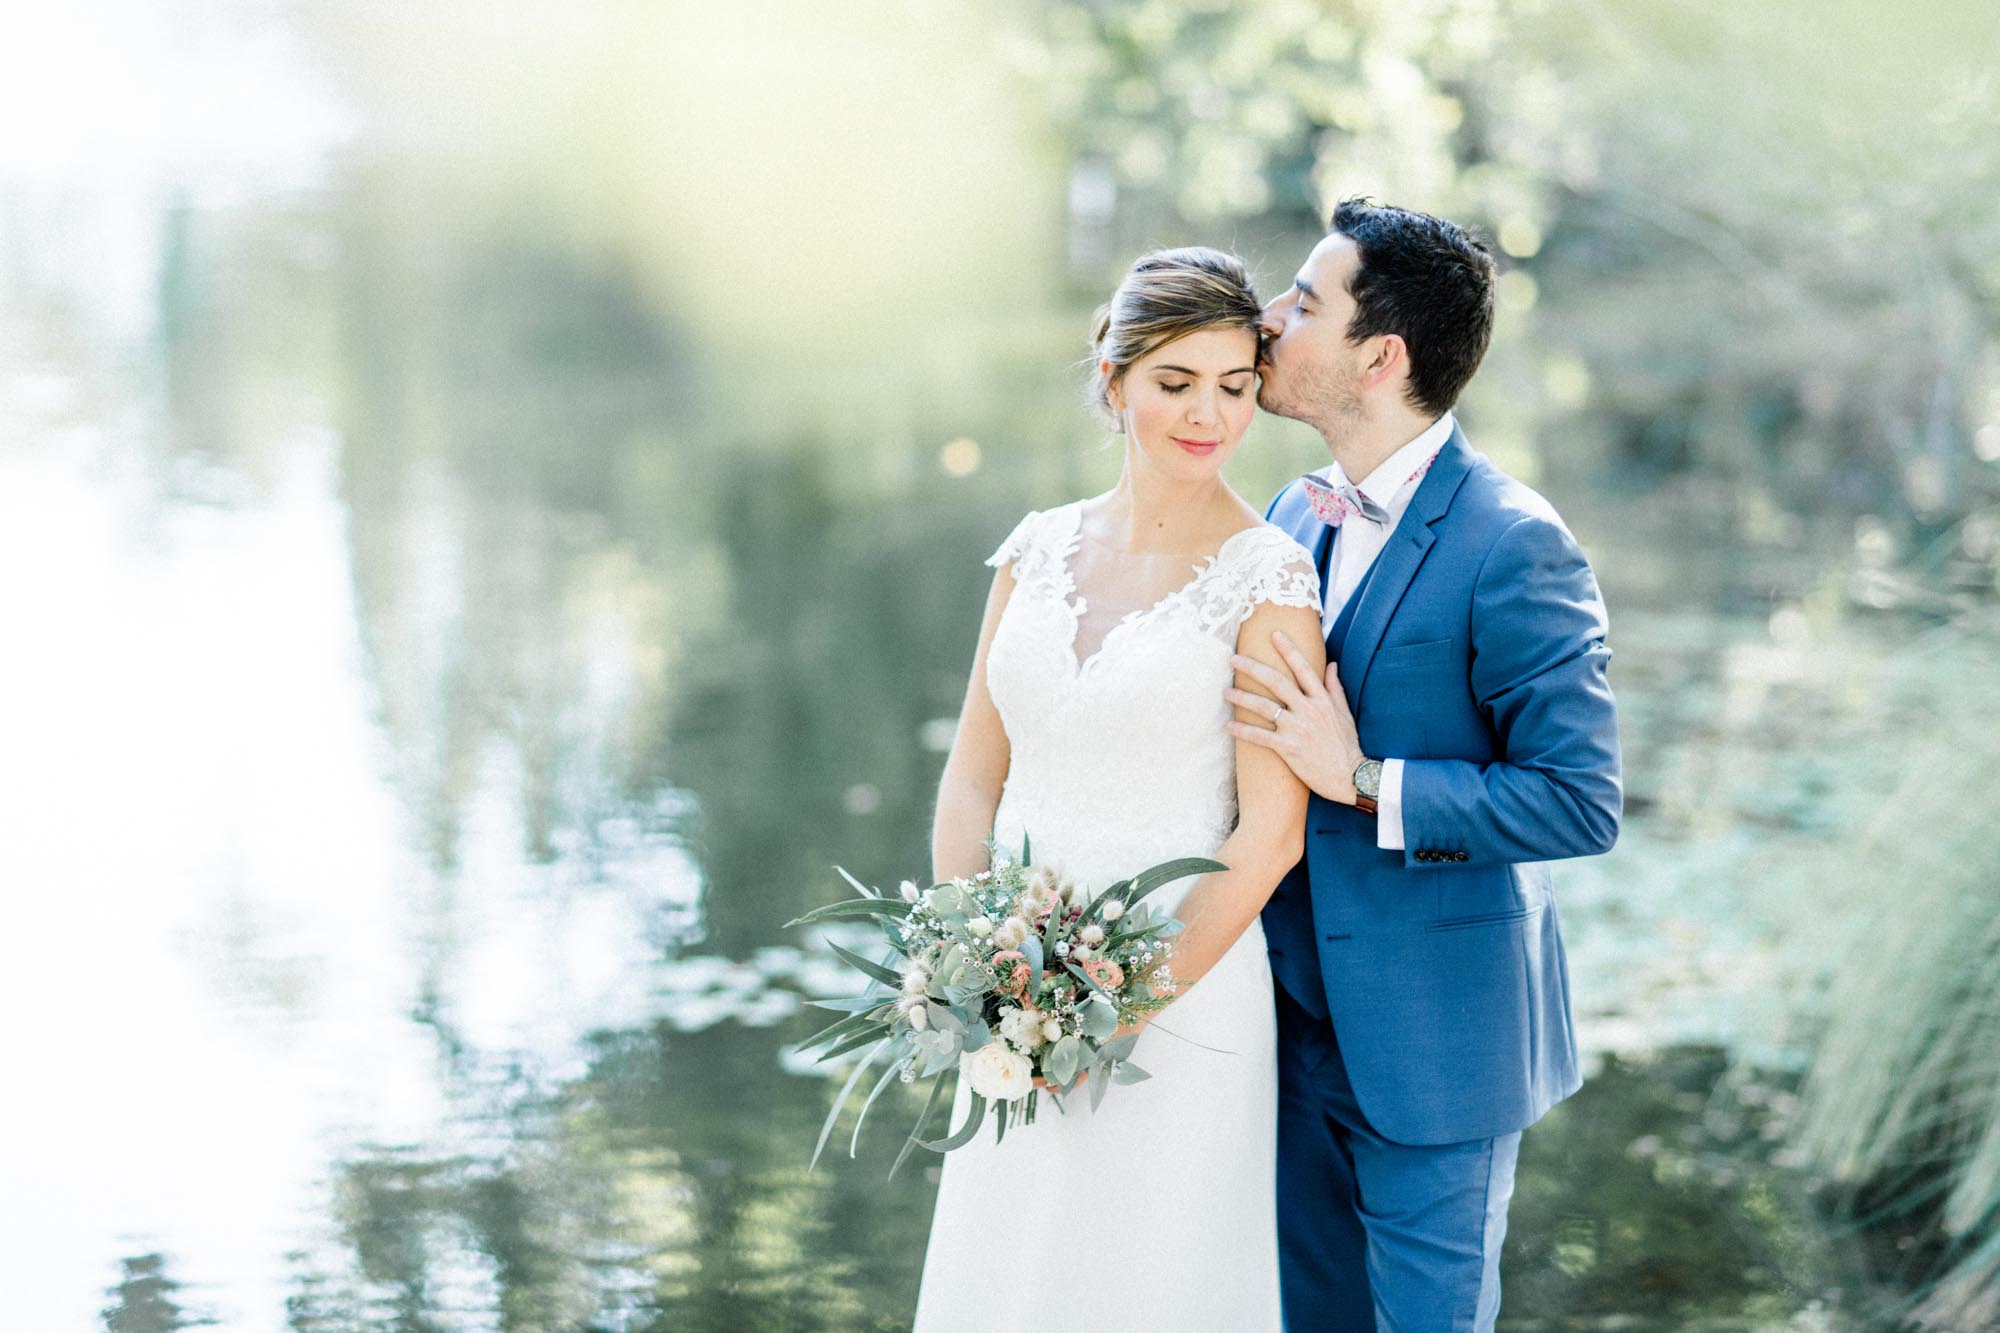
(1300,716)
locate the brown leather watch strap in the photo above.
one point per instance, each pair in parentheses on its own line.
(1365,804)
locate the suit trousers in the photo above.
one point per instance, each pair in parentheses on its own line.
(1374,1236)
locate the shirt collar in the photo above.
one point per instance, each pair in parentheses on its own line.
(1383,484)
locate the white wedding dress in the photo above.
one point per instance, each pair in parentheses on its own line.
(1157,1211)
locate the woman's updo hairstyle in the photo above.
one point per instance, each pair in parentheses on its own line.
(1167,295)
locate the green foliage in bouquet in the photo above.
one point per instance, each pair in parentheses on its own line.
(1011,975)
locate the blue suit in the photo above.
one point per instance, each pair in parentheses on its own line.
(1423,994)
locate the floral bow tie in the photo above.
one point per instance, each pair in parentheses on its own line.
(1339,499)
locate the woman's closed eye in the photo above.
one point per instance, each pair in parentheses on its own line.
(1176,388)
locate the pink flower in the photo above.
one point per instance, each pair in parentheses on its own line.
(1016,978)
(1105,973)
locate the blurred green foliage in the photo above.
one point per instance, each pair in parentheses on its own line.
(1759,242)
(1898,942)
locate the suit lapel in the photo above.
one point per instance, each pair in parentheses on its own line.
(1321,546)
(1382,592)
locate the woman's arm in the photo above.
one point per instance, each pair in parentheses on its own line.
(1271,817)
(969,791)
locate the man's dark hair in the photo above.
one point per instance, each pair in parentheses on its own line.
(1429,282)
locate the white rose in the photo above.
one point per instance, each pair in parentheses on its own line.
(998,1073)
(980,926)
(1113,909)
(910,891)
(1092,934)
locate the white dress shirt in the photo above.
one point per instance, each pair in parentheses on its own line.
(1356,543)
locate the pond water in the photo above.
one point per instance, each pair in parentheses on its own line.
(438,665)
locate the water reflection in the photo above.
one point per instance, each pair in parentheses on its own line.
(144,1301)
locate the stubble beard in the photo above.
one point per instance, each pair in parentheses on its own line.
(1322,398)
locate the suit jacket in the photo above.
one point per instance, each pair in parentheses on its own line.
(1475,653)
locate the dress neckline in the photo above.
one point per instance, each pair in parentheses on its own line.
(1073,601)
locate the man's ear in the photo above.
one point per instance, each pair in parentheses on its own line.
(1391,359)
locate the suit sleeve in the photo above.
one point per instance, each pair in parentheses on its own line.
(1538,660)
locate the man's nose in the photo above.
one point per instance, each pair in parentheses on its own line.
(1267,323)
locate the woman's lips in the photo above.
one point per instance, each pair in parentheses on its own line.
(1199,448)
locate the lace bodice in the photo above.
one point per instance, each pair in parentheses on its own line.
(1121,760)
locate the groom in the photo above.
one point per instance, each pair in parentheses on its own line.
(1462,738)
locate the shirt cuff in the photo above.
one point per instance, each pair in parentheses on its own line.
(1389,807)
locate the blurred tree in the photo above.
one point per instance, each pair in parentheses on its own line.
(1762,238)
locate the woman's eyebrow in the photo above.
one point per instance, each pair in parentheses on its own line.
(1183,370)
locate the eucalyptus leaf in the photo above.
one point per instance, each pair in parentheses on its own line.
(1120,1048)
(1064,1059)
(859,887)
(840,1029)
(854,1043)
(852,908)
(1167,872)
(917,1130)
(963,1135)
(943,1019)
(1097,1087)
(977,1034)
(1032,947)
(852,1004)
(853,1077)
(1130,1073)
(867,967)
(947,976)
(1100,1020)
(895,1068)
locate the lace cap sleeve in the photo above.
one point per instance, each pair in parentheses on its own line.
(1261,564)
(1019,541)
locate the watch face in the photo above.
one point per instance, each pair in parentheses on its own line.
(1368,778)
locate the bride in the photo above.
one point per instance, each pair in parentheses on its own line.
(1094,725)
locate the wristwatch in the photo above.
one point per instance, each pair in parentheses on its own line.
(1367,785)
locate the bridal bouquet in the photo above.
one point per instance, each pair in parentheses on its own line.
(1011,975)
